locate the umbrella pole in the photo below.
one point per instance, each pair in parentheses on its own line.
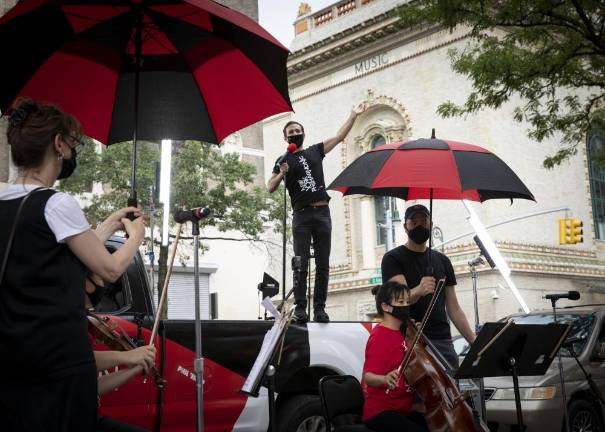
(284,244)
(429,269)
(132,199)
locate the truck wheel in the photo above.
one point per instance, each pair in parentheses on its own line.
(583,417)
(301,414)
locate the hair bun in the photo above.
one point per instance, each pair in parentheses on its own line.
(19,115)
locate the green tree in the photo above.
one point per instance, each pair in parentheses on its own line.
(200,176)
(551,53)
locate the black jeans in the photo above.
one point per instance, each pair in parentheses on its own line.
(106,424)
(315,223)
(446,348)
(389,421)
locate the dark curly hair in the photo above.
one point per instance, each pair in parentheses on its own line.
(388,292)
(291,123)
(32,127)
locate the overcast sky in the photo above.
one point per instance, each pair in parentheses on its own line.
(277,16)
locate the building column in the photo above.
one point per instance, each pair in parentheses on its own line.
(367,231)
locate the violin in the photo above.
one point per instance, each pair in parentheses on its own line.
(108,336)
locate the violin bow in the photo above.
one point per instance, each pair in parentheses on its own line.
(165,288)
(408,354)
(425,318)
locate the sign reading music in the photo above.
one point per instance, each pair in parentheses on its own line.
(370,63)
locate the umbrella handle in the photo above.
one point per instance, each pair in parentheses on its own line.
(132,202)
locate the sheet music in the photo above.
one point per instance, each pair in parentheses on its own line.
(270,307)
(267,349)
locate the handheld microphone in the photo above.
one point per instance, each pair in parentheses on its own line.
(198,213)
(571,295)
(291,149)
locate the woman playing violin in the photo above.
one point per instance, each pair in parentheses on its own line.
(385,350)
(50,379)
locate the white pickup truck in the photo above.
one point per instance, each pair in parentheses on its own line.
(230,348)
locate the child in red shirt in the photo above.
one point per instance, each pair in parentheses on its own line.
(385,350)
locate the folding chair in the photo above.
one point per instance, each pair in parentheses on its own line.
(342,403)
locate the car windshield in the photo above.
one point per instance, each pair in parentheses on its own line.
(580,331)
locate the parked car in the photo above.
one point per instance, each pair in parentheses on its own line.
(541,396)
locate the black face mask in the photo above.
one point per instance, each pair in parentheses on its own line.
(69,165)
(401,312)
(296,139)
(419,235)
(97,295)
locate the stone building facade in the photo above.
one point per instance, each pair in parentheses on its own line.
(357,50)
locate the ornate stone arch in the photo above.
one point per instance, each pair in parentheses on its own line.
(385,116)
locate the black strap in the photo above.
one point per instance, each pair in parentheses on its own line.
(11,236)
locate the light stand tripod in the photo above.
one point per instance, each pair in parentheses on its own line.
(151,253)
(311,255)
(553,302)
(194,216)
(472,264)
(284,241)
(592,385)
(199,360)
(271,388)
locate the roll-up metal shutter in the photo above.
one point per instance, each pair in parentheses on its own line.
(181,296)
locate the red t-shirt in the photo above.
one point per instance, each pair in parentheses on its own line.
(384,351)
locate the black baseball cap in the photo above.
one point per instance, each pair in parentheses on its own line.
(416,208)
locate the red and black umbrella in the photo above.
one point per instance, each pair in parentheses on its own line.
(144,69)
(431,168)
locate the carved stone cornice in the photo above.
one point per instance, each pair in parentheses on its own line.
(529,258)
(379,26)
(323,69)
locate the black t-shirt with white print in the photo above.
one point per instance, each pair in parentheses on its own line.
(412,265)
(305,176)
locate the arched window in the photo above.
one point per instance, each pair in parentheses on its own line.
(596,169)
(383,204)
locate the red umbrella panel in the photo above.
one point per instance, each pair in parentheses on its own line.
(199,70)
(426,168)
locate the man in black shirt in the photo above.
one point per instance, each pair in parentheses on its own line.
(303,170)
(408,264)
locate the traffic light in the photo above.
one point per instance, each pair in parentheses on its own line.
(570,231)
(576,231)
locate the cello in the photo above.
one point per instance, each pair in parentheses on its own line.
(446,407)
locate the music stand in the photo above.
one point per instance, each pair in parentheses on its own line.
(508,349)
